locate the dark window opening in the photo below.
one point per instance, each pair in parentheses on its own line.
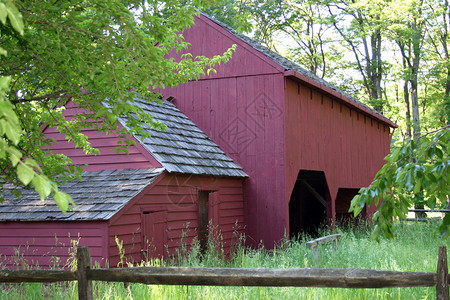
(343,202)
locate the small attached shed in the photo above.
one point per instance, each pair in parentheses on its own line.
(307,146)
(171,185)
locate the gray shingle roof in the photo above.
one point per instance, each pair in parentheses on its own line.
(286,63)
(99,196)
(183,147)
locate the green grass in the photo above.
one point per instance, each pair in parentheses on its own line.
(415,248)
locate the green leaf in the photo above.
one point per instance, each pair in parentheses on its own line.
(14,155)
(42,186)
(417,186)
(15,17)
(31,162)
(4,84)
(25,173)
(3,13)
(11,132)
(62,199)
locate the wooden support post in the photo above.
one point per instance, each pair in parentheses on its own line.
(314,192)
(442,292)
(84,263)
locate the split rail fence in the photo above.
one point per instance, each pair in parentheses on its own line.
(332,278)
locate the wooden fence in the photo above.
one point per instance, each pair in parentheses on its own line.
(333,278)
(416,210)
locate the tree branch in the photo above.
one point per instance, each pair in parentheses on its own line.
(45,97)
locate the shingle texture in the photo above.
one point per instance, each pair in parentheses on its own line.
(286,63)
(183,147)
(98,196)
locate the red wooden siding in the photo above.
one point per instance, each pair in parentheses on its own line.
(244,116)
(209,39)
(177,197)
(50,243)
(138,157)
(241,109)
(322,134)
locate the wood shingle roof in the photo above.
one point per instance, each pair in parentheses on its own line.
(97,197)
(183,147)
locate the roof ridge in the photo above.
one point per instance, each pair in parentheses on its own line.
(286,63)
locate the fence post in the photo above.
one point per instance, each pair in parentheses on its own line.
(84,263)
(442,275)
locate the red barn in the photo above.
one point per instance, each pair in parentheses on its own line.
(176,180)
(307,146)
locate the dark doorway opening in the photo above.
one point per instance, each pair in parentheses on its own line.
(208,217)
(309,203)
(343,202)
(203,219)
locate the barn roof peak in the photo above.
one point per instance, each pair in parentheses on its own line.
(294,70)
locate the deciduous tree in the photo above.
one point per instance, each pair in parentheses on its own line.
(96,53)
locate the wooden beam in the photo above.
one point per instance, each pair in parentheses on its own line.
(337,278)
(84,264)
(314,192)
(442,292)
(37,275)
(314,244)
(323,240)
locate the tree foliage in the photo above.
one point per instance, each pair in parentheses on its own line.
(97,54)
(417,167)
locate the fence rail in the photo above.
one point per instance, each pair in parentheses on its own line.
(425,210)
(334,278)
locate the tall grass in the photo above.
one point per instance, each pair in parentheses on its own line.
(415,248)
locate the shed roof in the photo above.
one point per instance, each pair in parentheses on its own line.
(294,70)
(98,196)
(183,147)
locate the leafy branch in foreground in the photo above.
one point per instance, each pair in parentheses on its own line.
(27,170)
(416,172)
(96,53)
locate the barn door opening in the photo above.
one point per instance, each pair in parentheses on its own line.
(309,203)
(155,234)
(208,214)
(343,201)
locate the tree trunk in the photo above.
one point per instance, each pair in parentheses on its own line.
(408,109)
(416,40)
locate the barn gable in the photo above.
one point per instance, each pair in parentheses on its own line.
(298,73)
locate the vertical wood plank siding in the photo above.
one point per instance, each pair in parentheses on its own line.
(50,243)
(240,108)
(177,195)
(322,134)
(108,158)
(274,128)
